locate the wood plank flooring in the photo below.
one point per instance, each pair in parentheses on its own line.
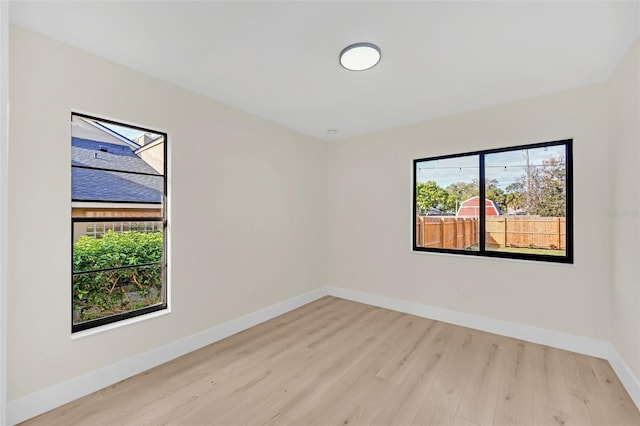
(337,362)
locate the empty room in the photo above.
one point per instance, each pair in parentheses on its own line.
(320,212)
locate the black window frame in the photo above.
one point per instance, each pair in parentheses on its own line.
(568,258)
(90,324)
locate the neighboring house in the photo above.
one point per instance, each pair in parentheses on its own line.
(471,208)
(433,211)
(109,174)
(516,212)
(151,150)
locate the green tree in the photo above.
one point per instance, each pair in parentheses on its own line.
(514,196)
(430,195)
(460,191)
(494,193)
(553,188)
(544,188)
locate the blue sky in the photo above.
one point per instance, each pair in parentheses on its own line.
(128,132)
(506,167)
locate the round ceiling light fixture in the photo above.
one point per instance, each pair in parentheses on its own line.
(360,56)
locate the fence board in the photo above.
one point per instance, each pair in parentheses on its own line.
(446,232)
(501,231)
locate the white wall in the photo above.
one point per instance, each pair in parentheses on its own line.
(624,218)
(248,214)
(370,217)
(4,145)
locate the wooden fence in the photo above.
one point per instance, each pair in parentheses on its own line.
(502,231)
(446,231)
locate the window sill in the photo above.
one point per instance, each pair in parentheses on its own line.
(115,325)
(497,258)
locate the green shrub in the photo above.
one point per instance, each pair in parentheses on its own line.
(99,294)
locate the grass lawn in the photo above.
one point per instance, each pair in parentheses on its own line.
(527,250)
(530,251)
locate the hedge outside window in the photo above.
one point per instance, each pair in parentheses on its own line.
(522,209)
(118,218)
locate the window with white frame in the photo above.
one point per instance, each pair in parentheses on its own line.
(118,221)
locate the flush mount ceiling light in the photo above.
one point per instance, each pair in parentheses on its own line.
(360,56)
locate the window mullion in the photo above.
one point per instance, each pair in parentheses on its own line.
(482,204)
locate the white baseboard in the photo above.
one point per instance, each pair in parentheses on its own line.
(39,402)
(556,339)
(626,376)
(42,401)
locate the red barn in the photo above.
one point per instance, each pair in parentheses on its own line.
(471,207)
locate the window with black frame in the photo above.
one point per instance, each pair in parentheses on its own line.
(118,217)
(511,202)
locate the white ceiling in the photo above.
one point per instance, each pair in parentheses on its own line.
(279,60)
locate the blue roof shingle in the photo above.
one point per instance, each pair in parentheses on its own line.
(112,186)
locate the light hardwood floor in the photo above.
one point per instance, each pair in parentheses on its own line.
(337,362)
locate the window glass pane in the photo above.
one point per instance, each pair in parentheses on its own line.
(117,182)
(102,186)
(101,245)
(446,197)
(527,191)
(108,293)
